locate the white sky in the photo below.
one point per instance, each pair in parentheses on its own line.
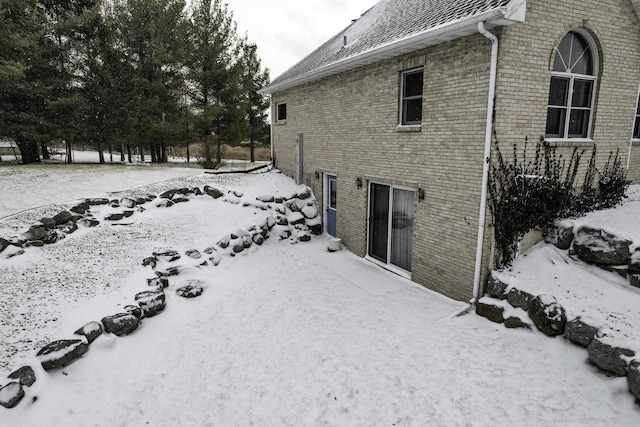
(287,31)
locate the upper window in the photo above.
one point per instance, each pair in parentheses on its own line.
(411,97)
(572,92)
(636,126)
(281,112)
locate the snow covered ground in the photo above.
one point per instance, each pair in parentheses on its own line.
(283,334)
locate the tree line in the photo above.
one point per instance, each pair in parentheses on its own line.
(128,74)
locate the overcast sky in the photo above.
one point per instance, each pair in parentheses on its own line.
(287,31)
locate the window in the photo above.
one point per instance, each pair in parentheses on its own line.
(411,97)
(572,91)
(281,112)
(636,126)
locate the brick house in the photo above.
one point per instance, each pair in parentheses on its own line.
(389,121)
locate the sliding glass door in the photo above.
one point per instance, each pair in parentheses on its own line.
(391,225)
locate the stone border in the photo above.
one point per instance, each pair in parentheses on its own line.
(295,219)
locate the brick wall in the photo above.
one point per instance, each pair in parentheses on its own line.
(349,125)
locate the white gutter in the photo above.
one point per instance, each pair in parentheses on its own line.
(398,47)
(486,158)
(271,114)
(633,127)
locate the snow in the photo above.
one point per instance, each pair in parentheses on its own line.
(283,335)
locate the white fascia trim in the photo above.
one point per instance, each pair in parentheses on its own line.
(500,16)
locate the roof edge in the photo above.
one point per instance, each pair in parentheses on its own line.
(513,13)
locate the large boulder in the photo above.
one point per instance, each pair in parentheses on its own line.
(151,302)
(160,282)
(519,299)
(96,202)
(213,192)
(601,247)
(61,353)
(192,290)
(634,280)
(3,244)
(24,375)
(90,331)
(114,217)
(120,324)
(193,253)
(48,222)
(81,208)
(11,395)
(634,262)
(493,312)
(62,217)
(135,310)
(609,358)
(559,235)
(496,288)
(580,333)
(633,378)
(128,202)
(169,255)
(548,316)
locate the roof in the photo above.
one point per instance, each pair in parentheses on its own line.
(636,5)
(394,27)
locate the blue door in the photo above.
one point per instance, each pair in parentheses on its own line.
(331,204)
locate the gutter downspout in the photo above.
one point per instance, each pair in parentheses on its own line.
(485,171)
(271,129)
(487,157)
(632,129)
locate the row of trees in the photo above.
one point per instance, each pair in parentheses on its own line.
(127,73)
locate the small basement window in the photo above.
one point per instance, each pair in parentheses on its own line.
(411,97)
(281,112)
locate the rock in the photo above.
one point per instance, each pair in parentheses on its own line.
(135,310)
(238,246)
(11,395)
(609,358)
(600,247)
(61,353)
(114,203)
(265,199)
(560,235)
(213,192)
(128,202)
(246,241)
(634,262)
(303,193)
(168,194)
(496,288)
(634,280)
(34,243)
(193,253)
(69,227)
(164,203)
(490,311)
(278,199)
(151,302)
(120,324)
(127,213)
(548,316)
(172,271)
(224,242)
(315,225)
(91,331)
(258,239)
(24,375)
(3,244)
(89,222)
(285,234)
(114,217)
(197,191)
(36,233)
(192,290)
(140,201)
(80,208)
(269,222)
(179,199)
(293,206)
(152,261)
(304,236)
(309,212)
(519,299)
(282,221)
(210,250)
(514,322)
(215,259)
(236,193)
(633,378)
(161,282)
(96,202)
(580,333)
(169,255)
(62,217)
(48,222)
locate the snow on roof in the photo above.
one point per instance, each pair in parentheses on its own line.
(392,22)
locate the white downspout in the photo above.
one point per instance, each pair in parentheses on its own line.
(633,127)
(485,171)
(486,158)
(271,127)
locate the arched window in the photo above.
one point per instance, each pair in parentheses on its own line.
(573,87)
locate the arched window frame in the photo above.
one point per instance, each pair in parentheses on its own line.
(572,77)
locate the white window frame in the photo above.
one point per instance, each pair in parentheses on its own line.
(403,75)
(572,77)
(278,119)
(636,116)
(388,266)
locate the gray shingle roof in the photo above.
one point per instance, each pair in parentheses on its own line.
(385,23)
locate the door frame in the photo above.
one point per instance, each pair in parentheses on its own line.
(327,199)
(387,266)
